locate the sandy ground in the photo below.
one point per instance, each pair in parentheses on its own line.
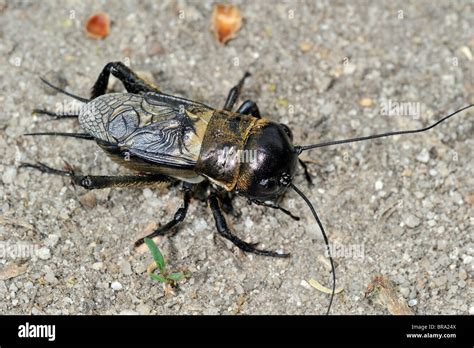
(400,207)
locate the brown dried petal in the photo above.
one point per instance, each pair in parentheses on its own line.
(226,21)
(97,25)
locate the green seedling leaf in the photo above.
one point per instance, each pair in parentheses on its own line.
(157,278)
(156,254)
(176,276)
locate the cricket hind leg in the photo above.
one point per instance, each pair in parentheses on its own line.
(234,93)
(132,82)
(92,182)
(225,232)
(179,216)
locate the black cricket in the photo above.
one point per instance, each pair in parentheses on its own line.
(167,139)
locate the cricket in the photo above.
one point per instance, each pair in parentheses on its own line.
(219,152)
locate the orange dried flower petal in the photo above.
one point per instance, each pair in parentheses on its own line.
(97,25)
(226,21)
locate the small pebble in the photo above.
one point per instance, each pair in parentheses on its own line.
(53,239)
(305,47)
(405,291)
(423,156)
(467,259)
(125,267)
(88,200)
(50,278)
(412,221)
(305,284)
(441,281)
(413,302)
(378,185)
(147,193)
(97,266)
(365,102)
(116,286)
(9,175)
(44,253)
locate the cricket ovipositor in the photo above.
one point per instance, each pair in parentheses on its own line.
(164,138)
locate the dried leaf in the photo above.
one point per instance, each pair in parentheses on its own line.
(11,271)
(226,21)
(315,284)
(385,293)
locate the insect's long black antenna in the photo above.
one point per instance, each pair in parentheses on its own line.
(300,149)
(72,135)
(84,100)
(326,241)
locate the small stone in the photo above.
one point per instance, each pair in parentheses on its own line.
(405,291)
(53,239)
(467,259)
(125,267)
(88,200)
(349,68)
(28,286)
(97,266)
(469,199)
(471,310)
(412,221)
(423,156)
(365,102)
(116,286)
(327,109)
(305,284)
(466,51)
(441,281)
(413,302)
(44,253)
(9,175)
(147,193)
(442,244)
(50,277)
(378,185)
(462,274)
(13,288)
(305,47)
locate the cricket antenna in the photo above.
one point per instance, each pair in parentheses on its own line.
(326,241)
(299,149)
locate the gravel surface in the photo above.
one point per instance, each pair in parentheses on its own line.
(400,207)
